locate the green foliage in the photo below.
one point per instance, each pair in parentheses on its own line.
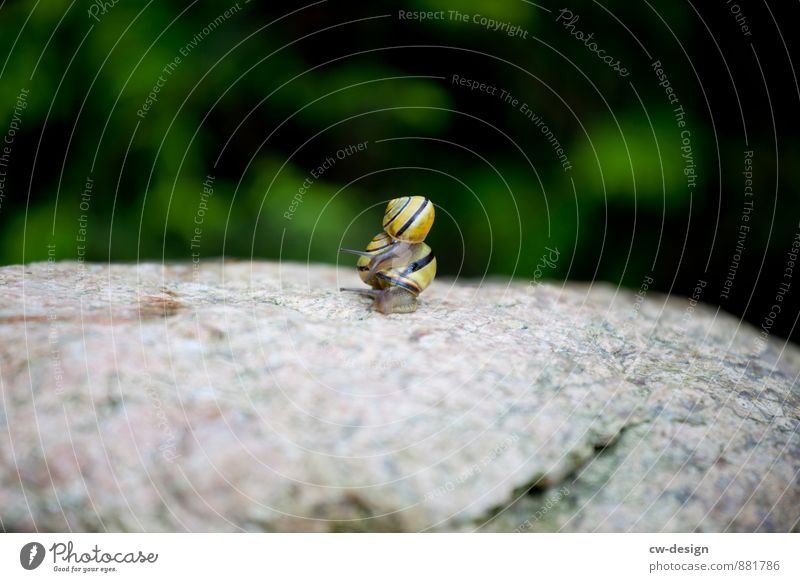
(260,100)
(635,159)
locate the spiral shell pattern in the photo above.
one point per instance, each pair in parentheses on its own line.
(414,274)
(379,244)
(409,218)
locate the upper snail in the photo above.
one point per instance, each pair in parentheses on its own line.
(408,219)
(397,264)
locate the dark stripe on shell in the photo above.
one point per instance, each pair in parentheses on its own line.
(413,287)
(386,246)
(419,264)
(387,223)
(413,218)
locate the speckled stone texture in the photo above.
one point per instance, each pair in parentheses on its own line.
(254,396)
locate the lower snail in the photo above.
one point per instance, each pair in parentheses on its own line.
(398,270)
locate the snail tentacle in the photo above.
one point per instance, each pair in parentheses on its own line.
(353,252)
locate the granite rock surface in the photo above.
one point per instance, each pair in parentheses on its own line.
(229,396)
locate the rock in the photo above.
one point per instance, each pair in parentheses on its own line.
(255,396)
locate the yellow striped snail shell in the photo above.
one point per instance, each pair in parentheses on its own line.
(409,219)
(413,272)
(398,270)
(380,242)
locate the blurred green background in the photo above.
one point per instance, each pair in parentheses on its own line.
(263,93)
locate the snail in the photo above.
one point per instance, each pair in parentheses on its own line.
(396,263)
(408,219)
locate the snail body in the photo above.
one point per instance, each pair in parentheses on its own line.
(398,281)
(396,264)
